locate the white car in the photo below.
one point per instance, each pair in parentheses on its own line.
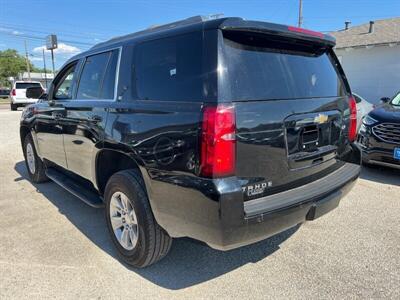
(363,108)
(18,93)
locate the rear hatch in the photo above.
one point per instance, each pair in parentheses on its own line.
(292,108)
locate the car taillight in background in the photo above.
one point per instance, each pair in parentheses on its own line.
(353,119)
(13,92)
(218,141)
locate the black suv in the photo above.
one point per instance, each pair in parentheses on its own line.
(379,135)
(226,131)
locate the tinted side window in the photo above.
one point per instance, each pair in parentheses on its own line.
(63,89)
(97,73)
(170,68)
(107,90)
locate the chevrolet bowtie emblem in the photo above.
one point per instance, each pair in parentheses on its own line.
(321,118)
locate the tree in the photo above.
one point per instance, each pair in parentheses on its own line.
(39,70)
(11,64)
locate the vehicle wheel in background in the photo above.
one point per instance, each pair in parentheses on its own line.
(140,241)
(13,106)
(34,164)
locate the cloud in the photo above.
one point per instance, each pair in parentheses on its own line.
(10,31)
(36,59)
(63,50)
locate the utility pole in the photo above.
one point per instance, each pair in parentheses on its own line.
(300,13)
(52,60)
(51,44)
(45,72)
(27,62)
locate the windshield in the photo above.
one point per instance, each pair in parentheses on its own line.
(396,100)
(260,69)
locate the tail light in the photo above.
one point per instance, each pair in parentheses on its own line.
(306,31)
(218,141)
(353,119)
(13,92)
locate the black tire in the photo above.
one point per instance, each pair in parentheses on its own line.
(13,106)
(153,242)
(38,175)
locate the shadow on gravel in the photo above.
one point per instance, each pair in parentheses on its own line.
(189,262)
(380,174)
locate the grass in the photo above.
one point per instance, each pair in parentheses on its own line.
(2,100)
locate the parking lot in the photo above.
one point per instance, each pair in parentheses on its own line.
(53,245)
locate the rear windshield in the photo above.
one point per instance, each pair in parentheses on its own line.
(25,85)
(261,69)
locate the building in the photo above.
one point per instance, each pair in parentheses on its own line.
(370,56)
(42,77)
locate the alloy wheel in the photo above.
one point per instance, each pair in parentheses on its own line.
(123,220)
(30,157)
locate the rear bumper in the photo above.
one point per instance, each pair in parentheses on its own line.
(187,207)
(270,215)
(15,100)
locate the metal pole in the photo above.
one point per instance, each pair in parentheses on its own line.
(27,62)
(300,13)
(45,72)
(52,60)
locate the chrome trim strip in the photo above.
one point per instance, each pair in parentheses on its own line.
(117,74)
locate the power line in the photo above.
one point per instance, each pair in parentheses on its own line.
(62,33)
(44,26)
(33,37)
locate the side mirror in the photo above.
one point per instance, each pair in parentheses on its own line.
(385,99)
(34,92)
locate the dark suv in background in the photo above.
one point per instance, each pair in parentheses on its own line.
(226,131)
(379,135)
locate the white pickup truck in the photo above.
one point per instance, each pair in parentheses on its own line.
(18,93)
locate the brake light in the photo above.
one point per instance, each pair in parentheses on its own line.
(306,31)
(218,141)
(353,119)
(13,92)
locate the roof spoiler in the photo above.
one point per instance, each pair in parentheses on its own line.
(238,24)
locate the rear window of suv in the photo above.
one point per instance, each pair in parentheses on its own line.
(25,85)
(260,68)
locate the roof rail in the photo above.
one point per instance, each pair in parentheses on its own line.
(155,28)
(190,20)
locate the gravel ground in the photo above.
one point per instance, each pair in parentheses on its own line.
(54,246)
